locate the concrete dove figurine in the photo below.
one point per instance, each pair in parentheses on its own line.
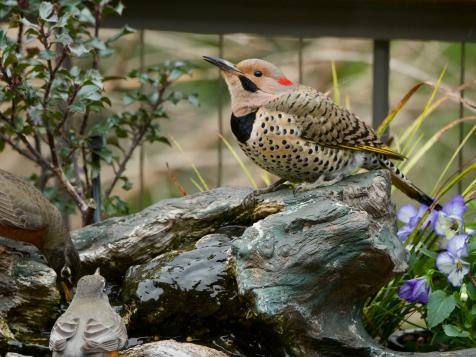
(89,327)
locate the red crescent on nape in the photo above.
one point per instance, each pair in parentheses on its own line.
(284,81)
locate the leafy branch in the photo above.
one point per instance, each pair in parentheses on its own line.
(47,100)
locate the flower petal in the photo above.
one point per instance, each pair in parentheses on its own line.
(406,212)
(431,219)
(406,291)
(415,290)
(445,263)
(456,277)
(421,291)
(457,246)
(404,232)
(447,226)
(455,207)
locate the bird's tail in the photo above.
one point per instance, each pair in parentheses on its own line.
(405,185)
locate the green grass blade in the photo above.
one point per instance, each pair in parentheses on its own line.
(335,83)
(389,118)
(470,188)
(197,173)
(435,138)
(410,132)
(455,154)
(457,179)
(240,162)
(197,185)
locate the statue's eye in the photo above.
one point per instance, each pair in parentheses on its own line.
(258,73)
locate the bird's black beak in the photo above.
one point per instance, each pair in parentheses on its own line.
(223,64)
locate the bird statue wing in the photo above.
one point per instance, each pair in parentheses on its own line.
(64,329)
(100,338)
(322,121)
(20,204)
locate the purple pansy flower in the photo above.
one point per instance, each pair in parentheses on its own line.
(450,219)
(415,290)
(409,215)
(451,262)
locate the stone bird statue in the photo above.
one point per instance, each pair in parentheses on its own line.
(300,134)
(26,215)
(89,327)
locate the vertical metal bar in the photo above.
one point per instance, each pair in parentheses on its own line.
(96,145)
(461,112)
(220,113)
(381,66)
(142,149)
(300,51)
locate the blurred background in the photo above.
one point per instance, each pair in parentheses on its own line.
(309,60)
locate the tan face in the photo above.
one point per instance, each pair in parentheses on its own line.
(252,83)
(266,76)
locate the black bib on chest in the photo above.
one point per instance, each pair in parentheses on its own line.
(242,126)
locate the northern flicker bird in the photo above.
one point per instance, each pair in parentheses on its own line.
(26,215)
(300,134)
(89,327)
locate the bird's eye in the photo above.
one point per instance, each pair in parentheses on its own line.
(258,73)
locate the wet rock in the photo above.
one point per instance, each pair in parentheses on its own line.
(117,243)
(29,298)
(171,348)
(182,292)
(285,274)
(308,269)
(13,354)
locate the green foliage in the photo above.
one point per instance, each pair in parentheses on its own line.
(449,316)
(440,306)
(47,98)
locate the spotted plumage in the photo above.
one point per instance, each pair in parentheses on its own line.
(277,145)
(300,134)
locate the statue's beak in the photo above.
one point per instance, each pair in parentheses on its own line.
(97,272)
(223,64)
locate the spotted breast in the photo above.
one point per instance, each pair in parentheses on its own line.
(273,140)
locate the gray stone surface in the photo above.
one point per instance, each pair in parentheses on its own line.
(181,291)
(171,348)
(290,270)
(309,268)
(29,299)
(117,243)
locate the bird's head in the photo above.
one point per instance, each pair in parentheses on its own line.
(252,83)
(91,286)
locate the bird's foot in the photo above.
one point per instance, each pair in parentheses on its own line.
(251,197)
(322,181)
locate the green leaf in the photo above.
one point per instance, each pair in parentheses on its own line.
(46,9)
(3,39)
(89,91)
(47,54)
(127,185)
(193,99)
(126,30)
(454,331)
(86,16)
(440,306)
(471,290)
(77,107)
(27,23)
(64,38)
(97,44)
(78,50)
